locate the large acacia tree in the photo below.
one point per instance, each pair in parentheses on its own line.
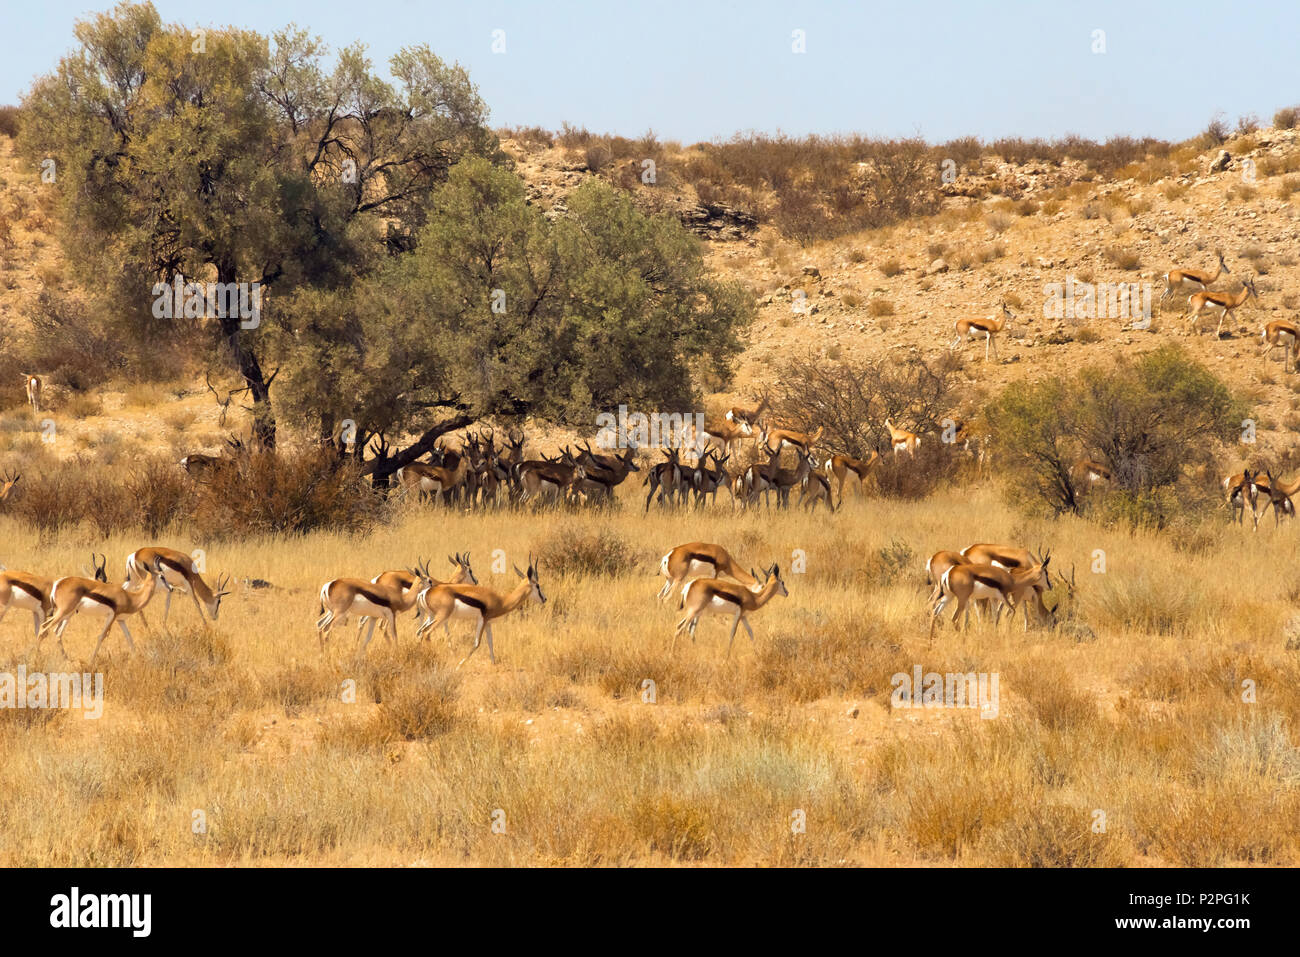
(224,155)
(500,310)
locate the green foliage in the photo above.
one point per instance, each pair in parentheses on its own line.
(245,160)
(1150,420)
(599,307)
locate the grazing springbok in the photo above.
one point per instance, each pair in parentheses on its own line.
(1091,472)
(740,415)
(178,574)
(1192,280)
(939,563)
(1277,494)
(775,440)
(1012,558)
(725,434)
(478,603)
(979,581)
(115,602)
(699,560)
(717,597)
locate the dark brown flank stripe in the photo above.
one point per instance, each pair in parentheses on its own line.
(374,597)
(24,586)
(172,564)
(720,593)
(985,580)
(103,600)
(702,559)
(471,601)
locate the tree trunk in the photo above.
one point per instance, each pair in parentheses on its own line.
(250,369)
(379,469)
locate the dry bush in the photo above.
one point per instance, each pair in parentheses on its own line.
(295,492)
(531,137)
(880,307)
(594,552)
(1055,835)
(1123,258)
(998,222)
(298,686)
(82,405)
(1215,133)
(915,476)
(1286,118)
(71,344)
(9,116)
(891,267)
(850,399)
(149,494)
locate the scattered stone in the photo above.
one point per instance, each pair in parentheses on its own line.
(1221,162)
(936,267)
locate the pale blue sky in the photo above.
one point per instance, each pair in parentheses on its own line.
(701,70)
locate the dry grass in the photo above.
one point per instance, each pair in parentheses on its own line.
(248,723)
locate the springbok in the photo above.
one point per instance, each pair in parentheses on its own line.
(30,592)
(410,581)
(839,467)
(177,572)
(1192,280)
(1282,333)
(7,483)
(1003,588)
(1225,302)
(1239,489)
(718,597)
(968,329)
(115,602)
(478,603)
(35,390)
(901,440)
(699,560)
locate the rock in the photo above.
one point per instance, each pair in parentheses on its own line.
(938,266)
(1221,162)
(812,271)
(853,712)
(718,221)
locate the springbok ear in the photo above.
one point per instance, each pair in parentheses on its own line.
(519,573)
(776,570)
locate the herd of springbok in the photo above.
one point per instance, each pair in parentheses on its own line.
(54,601)
(482,472)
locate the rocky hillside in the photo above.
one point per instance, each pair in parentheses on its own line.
(1005,233)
